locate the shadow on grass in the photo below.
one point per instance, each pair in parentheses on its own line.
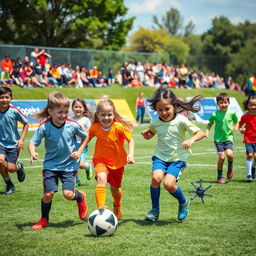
(149,223)
(64,224)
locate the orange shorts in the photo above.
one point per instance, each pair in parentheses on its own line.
(114,176)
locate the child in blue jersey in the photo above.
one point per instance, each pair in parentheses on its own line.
(61,155)
(80,115)
(10,141)
(172,150)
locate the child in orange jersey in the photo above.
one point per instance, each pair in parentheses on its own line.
(110,156)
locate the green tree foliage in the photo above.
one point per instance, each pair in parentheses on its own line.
(172,22)
(97,24)
(178,50)
(145,40)
(195,44)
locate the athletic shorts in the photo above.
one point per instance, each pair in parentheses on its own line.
(174,168)
(223,146)
(11,154)
(250,147)
(114,176)
(51,180)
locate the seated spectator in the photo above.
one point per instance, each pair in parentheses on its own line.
(31,74)
(127,78)
(39,74)
(26,79)
(16,77)
(64,80)
(55,76)
(101,80)
(6,78)
(110,77)
(68,72)
(118,77)
(7,63)
(83,76)
(135,82)
(76,78)
(93,76)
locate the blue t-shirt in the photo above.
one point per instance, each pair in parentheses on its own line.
(9,134)
(60,142)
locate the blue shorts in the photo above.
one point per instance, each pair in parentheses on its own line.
(250,147)
(174,168)
(51,180)
(223,146)
(11,154)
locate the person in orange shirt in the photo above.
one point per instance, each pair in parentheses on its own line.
(111,131)
(7,63)
(94,72)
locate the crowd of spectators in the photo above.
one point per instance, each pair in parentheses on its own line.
(36,71)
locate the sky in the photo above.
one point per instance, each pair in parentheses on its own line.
(200,11)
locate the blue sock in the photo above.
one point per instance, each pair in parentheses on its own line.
(155,195)
(179,196)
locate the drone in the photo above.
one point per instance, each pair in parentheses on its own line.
(200,191)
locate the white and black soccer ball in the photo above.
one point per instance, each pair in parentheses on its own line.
(102,222)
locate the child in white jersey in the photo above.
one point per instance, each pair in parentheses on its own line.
(172,150)
(80,115)
(62,159)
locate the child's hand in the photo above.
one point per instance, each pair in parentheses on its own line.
(147,134)
(130,159)
(187,143)
(75,155)
(242,130)
(33,157)
(20,144)
(206,134)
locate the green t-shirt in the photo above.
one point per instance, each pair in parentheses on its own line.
(224,123)
(170,137)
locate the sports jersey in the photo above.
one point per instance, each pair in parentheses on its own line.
(84,122)
(224,123)
(60,142)
(9,134)
(170,136)
(109,147)
(250,126)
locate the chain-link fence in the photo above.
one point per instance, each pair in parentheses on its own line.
(88,58)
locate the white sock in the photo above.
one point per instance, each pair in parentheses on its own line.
(249,164)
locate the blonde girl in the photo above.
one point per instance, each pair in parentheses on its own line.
(111,131)
(61,155)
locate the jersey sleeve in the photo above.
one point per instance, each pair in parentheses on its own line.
(234,118)
(212,119)
(38,135)
(125,133)
(190,127)
(80,132)
(21,118)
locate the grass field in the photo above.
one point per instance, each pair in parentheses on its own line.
(224,225)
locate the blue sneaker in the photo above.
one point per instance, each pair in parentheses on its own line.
(152,215)
(183,211)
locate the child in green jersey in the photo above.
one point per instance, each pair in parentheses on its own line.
(225,121)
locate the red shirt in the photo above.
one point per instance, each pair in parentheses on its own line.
(250,126)
(42,58)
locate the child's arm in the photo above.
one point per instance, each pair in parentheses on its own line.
(206,134)
(20,142)
(130,156)
(147,134)
(197,136)
(32,152)
(75,155)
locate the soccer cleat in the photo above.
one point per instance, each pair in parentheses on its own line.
(82,207)
(230,174)
(118,211)
(78,183)
(221,180)
(9,189)
(183,211)
(20,172)
(152,215)
(43,222)
(88,170)
(249,178)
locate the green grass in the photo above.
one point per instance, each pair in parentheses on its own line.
(224,225)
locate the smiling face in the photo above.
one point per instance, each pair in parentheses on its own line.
(252,106)
(106,116)
(165,110)
(223,104)
(59,115)
(78,110)
(5,100)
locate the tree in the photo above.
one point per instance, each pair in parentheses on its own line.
(97,24)
(172,22)
(145,40)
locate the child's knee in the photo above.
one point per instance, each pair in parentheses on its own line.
(48,196)
(69,195)
(170,187)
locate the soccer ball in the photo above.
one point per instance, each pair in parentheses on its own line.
(102,222)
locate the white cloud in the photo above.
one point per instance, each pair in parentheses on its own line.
(153,7)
